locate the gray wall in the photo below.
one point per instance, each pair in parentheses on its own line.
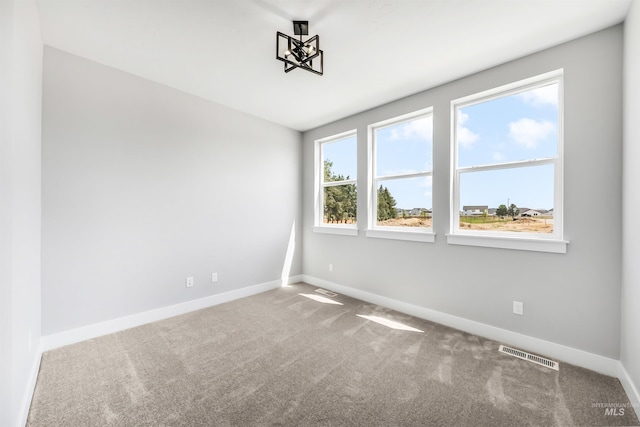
(144,185)
(571,299)
(630,353)
(20,106)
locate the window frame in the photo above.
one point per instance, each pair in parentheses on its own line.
(418,234)
(319,185)
(554,242)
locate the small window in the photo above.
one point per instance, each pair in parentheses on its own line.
(336,184)
(507,164)
(401,167)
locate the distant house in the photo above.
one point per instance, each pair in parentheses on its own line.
(414,212)
(536,212)
(474,210)
(531,213)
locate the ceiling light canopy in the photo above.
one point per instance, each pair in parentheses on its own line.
(296,53)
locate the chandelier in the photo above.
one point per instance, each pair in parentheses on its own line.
(298,53)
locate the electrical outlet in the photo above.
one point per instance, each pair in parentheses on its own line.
(214,277)
(518,308)
(330,267)
(190,282)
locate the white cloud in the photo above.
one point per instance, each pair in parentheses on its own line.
(546,95)
(420,128)
(466,138)
(498,156)
(528,132)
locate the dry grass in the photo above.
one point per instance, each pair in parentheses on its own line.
(348,221)
(526,225)
(522,225)
(406,222)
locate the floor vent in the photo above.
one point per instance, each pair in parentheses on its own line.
(326,292)
(530,357)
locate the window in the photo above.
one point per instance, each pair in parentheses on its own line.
(507,167)
(336,184)
(401,168)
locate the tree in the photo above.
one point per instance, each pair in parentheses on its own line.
(513,211)
(350,202)
(340,201)
(502,211)
(386,204)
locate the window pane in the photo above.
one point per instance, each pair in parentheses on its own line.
(530,189)
(340,159)
(340,204)
(404,202)
(405,147)
(522,126)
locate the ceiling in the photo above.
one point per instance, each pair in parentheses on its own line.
(375,51)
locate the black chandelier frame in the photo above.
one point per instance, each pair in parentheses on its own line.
(300,53)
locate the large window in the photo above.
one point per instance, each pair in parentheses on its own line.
(400,167)
(336,184)
(507,166)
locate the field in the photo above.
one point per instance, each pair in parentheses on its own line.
(527,225)
(406,222)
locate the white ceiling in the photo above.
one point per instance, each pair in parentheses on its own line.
(375,51)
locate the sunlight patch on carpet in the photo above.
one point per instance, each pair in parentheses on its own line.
(389,323)
(321,299)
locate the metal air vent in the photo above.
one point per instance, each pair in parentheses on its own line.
(530,357)
(326,292)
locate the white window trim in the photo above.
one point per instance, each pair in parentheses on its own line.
(401,233)
(319,185)
(414,234)
(555,242)
(342,230)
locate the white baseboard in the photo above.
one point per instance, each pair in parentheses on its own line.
(30,389)
(293,279)
(562,353)
(49,342)
(630,388)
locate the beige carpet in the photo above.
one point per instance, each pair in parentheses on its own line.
(284,359)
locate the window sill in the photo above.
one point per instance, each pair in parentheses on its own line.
(517,243)
(336,229)
(414,236)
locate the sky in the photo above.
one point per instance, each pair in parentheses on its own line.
(518,127)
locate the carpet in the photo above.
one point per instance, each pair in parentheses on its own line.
(295,357)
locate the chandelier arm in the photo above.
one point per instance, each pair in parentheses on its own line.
(300,53)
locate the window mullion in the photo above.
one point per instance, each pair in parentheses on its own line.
(510,165)
(406,175)
(338,183)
